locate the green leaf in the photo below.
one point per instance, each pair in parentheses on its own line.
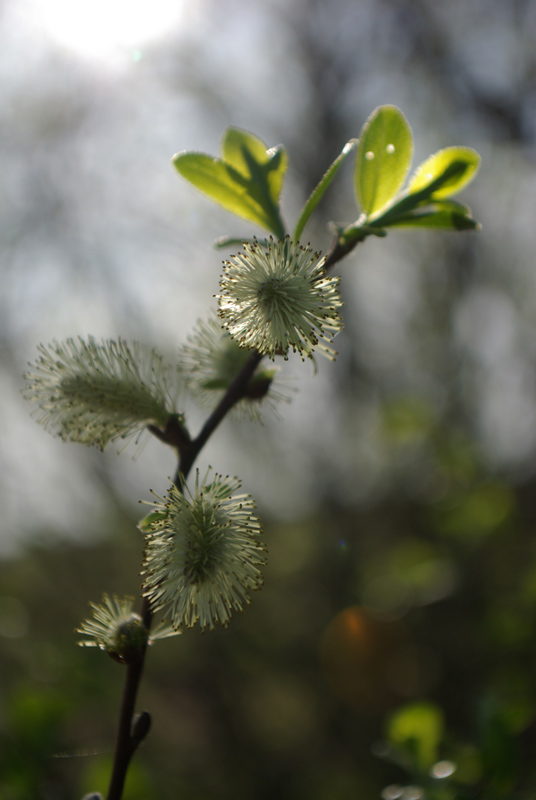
(247,181)
(250,157)
(321,187)
(383,158)
(417,729)
(445,173)
(445,214)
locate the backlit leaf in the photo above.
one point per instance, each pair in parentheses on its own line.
(383,158)
(318,192)
(444,214)
(247,181)
(445,173)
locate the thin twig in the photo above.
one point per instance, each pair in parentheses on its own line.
(233,395)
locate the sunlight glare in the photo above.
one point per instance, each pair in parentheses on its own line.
(104,29)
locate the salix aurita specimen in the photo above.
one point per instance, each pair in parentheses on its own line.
(116,628)
(94,393)
(203,549)
(210,361)
(278,297)
(203,553)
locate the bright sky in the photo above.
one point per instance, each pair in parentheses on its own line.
(104,29)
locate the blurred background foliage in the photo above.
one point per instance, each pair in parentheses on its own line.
(392,649)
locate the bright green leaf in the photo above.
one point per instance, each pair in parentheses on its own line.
(383,158)
(445,173)
(417,730)
(247,181)
(318,192)
(249,156)
(444,214)
(239,148)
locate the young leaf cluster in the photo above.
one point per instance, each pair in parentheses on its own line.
(247,179)
(383,159)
